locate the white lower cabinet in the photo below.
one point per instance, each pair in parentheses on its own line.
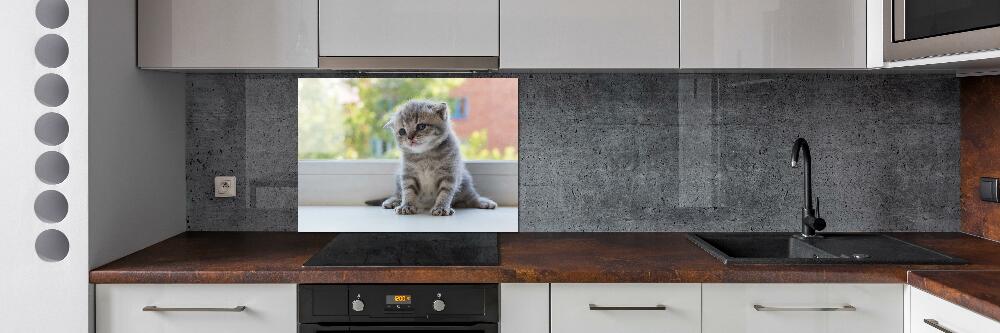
(196,308)
(524,308)
(930,314)
(802,308)
(625,307)
(569,307)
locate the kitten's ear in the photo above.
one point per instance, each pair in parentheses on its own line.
(441,110)
(389,124)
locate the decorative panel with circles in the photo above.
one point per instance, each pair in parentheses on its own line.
(52,167)
(51,206)
(45,236)
(51,51)
(52,245)
(51,90)
(51,129)
(52,13)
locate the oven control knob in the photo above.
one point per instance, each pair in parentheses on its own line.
(438,305)
(358,305)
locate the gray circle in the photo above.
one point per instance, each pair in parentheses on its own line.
(51,129)
(51,206)
(52,245)
(51,51)
(52,167)
(52,13)
(51,90)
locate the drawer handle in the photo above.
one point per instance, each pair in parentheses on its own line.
(154,308)
(759,307)
(935,324)
(595,307)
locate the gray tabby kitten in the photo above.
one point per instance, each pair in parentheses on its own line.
(432,174)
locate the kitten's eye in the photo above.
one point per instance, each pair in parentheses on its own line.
(402,131)
(421,127)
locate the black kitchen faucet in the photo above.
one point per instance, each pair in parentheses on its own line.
(810,221)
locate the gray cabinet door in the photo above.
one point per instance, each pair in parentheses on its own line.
(773,34)
(408,28)
(228,34)
(582,34)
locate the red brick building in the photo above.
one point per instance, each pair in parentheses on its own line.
(489,104)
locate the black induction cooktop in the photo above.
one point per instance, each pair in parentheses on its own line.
(409,249)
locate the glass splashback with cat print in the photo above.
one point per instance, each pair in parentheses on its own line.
(352,143)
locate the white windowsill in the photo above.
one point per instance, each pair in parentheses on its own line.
(351,183)
(389,167)
(378,219)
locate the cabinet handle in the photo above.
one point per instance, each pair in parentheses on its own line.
(848,307)
(159,309)
(657,307)
(935,324)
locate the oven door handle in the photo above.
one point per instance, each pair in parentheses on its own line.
(311,328)
(485,328)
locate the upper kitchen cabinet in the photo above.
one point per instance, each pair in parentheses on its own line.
(407,34)
(589,34)
(193,34)
(780,34)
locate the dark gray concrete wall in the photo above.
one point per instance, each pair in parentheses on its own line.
(244,126)
(641,152)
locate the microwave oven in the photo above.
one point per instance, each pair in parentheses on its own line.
(915,29)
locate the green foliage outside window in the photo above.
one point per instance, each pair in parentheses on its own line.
(474,148)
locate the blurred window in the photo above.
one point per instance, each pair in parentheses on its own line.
(343,118)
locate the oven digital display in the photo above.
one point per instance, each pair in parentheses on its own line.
(398,299)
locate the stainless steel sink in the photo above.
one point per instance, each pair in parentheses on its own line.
(834,248)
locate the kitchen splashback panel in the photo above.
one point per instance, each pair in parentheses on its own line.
(639,152)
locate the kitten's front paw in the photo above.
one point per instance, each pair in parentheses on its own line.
(406,210)
(390,203)
(485,203)
(442,211)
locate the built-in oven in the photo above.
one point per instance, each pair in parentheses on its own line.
(384,308)
(916,29)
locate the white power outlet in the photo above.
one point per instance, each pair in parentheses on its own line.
(225,187)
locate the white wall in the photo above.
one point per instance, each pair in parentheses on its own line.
(125,150)
(137,185)
(38,295)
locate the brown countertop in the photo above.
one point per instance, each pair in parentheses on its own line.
(277,257)
(263,257)
(974,290)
